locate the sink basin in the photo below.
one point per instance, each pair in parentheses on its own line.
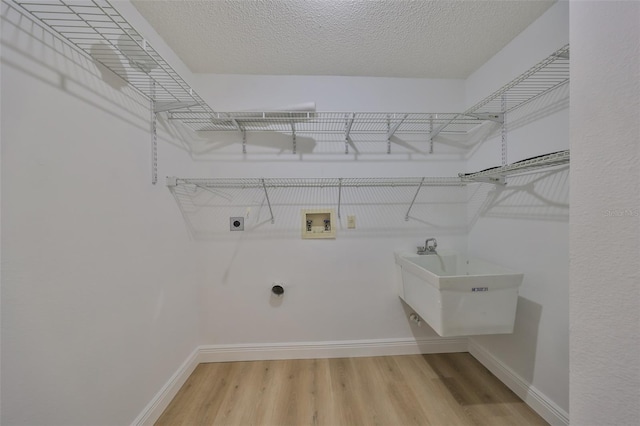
(459,296)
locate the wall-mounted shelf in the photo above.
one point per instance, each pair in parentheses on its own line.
(497,175)
(98,29)
(545,76)
(247,183)
(267,184)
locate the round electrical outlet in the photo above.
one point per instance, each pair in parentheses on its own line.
(236,223)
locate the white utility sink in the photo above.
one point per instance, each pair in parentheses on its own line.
(459,296)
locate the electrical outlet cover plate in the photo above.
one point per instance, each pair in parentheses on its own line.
(236,223)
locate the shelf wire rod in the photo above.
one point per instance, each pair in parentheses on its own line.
(266,194)
(406,216)
(339,195)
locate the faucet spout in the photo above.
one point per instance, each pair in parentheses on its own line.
(428,248)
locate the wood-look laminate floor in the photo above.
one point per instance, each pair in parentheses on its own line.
(441,389)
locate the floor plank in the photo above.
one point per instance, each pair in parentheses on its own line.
(439,389)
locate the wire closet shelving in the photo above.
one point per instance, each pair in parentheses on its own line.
(494,175)
(96,28)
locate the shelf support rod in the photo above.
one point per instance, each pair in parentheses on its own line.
(347,129)
(266,194)
(406,217)
(237,125)
(339,195)
(396,126)
(392,129)
(441,128)
(242,132)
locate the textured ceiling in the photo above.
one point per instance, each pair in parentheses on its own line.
(383,38)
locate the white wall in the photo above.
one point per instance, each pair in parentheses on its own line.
(99,281)
(525,225)
(605,206)
(342,289)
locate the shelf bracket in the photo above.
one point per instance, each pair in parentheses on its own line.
(243,133)
(396,126)
(406,216)
(266,194)
(339,195)
(441,128)
(348,122)
(392,129)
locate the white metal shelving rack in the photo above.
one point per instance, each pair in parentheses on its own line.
(96,28)
(497,175)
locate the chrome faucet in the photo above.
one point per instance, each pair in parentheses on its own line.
(428,249)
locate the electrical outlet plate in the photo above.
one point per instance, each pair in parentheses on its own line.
(236,223)
(351,222)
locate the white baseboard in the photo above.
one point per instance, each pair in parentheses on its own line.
(161,400)
(331,349)
(303,350)
(539,402)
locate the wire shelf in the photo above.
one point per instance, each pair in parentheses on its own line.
(498,173)
(327,122)
(545,76)
(271,183)
(96,28)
